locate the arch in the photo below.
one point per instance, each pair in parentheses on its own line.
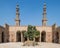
(37,39)
(2,37)
(18,36)
(57,37)
(24,38)
(43,36)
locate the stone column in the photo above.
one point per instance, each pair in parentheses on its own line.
(21,37)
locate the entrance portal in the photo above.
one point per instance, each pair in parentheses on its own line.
(18,36)
(43,36)
(2,37)
(57,37)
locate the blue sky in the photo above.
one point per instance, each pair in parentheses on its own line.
(30,12)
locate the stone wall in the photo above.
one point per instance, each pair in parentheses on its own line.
(14,29)
(6,26)
(2,29)
(10,32)
(4,33)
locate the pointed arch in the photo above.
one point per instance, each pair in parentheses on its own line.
(2,37)
(18,36)
(57,37)
(24,38)
(37,38)
(43,36)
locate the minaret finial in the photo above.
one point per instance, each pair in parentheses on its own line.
(17,16)
(44,20)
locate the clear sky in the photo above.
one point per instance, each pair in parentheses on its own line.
(30,12)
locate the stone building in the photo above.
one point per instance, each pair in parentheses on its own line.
(47,33)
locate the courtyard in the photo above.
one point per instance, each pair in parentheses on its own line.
(20,45)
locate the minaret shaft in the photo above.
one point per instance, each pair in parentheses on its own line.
(44,20)
(17,20)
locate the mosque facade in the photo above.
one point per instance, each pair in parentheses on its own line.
(47,33)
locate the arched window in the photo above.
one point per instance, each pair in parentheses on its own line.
(2,37)
(18,36)
(43,36)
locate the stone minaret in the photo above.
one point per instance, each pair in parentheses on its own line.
(44,20)
(17,20)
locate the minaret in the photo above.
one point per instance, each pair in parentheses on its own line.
(44,20)
(17,20)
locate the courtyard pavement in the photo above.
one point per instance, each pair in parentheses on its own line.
(19,45)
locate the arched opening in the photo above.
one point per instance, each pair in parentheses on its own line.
(37,39)
(18,36)
(2,37)
(43,36)
(25,38)
(57,37)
